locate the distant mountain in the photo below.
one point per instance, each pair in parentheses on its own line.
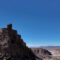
(49,46)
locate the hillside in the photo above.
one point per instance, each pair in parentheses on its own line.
(52,53)
(12,46)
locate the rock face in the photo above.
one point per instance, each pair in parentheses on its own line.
(47,53)
(12,46)
(42,53)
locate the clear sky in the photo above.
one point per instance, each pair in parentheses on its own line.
(38,21)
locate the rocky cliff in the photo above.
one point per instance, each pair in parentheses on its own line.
(12,46)
(42,53)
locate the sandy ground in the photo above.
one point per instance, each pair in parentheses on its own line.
(53,58)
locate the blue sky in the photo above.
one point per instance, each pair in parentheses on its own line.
(38,21)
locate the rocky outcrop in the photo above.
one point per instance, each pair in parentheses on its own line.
(42,53)
(12,46)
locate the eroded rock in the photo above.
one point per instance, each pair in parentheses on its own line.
(12,46)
